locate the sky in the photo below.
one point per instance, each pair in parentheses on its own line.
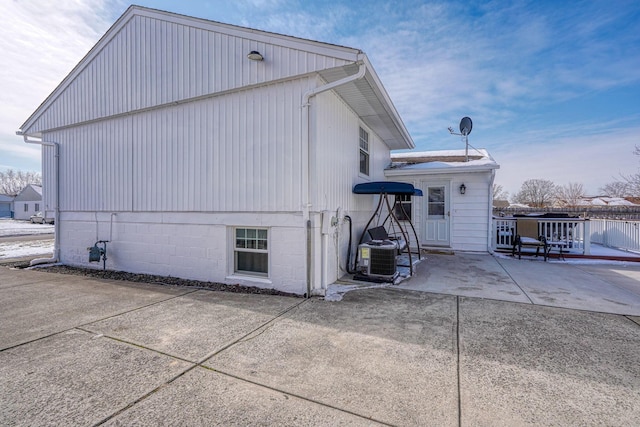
(552,87)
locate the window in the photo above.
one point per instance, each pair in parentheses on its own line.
(403,207)
(26,207)
(364,152)
(251,254)
(37,207)
(436,202)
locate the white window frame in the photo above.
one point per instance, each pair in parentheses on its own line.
(407,204)
(248,242)
(37,207)
(26,207)
(364,148)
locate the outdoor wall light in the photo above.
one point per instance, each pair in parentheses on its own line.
(254,55)
(463,188)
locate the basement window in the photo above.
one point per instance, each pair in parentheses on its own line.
(364,152)
(251,255)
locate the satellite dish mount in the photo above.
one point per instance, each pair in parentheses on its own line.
(465,129)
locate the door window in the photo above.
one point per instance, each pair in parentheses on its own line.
(436,202)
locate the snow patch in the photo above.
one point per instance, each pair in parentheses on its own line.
(14,227)
(25,249)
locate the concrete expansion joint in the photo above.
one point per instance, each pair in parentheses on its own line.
(297,396)
(200,364)
(266,325)
(145,396)
(635,320)
(36,339)
(97,335)
(514,280)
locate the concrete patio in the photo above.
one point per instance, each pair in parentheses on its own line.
(80,351)
(612,287)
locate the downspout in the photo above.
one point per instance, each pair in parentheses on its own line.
(56,215)
(490,233)
(306,158)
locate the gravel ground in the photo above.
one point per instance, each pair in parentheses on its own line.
(148,278)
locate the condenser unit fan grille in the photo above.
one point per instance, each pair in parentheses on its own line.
(383,261)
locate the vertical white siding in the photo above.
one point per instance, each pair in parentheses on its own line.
(49,196)
(237,152)
(95,166)
(152,62)
(470,225)
(335,151)
(469,211)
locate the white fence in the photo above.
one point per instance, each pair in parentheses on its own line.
(572,235)
(619,234)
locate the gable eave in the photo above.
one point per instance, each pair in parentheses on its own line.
(315,47)
(368,98)
(103,41)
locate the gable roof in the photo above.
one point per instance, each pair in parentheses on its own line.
(287,57)
(29,193)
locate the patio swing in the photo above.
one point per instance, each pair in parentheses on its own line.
(388,237)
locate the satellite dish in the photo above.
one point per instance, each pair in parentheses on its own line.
(465,126)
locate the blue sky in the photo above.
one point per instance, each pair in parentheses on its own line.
(553,87)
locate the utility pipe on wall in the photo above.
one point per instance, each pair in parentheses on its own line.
(56,215)
(306,158)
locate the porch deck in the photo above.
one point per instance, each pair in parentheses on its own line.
(597,252)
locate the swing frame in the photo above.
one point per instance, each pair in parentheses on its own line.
(385,189)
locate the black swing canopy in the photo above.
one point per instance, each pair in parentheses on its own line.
(384,187)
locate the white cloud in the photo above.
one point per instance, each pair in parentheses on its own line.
(41,41)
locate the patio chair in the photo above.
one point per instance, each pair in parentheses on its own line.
(527,235)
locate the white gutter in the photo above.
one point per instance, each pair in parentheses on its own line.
(56,215)
(306,158)
(416,170)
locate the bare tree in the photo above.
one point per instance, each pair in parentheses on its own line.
(12,182)
(616,189)
(537,193)
(570,195)
(628,186)
(499,193)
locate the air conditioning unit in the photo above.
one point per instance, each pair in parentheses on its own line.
(377,259)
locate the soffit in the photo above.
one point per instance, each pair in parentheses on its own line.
(369,102)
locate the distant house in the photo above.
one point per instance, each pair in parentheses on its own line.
(606,201)
(6,206)
(501,204)
(456,209)
(28,202)
(214,152)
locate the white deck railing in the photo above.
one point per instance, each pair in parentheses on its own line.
(619,234)
(572,235)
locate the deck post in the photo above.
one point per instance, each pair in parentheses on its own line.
(586,230)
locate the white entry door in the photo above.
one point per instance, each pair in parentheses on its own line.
(437,214)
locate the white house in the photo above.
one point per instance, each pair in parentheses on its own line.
(209,151)
(28,202)
(456,209)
